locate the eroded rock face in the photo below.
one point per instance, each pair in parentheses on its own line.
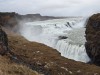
(8,19)
(3,42)
(93,38)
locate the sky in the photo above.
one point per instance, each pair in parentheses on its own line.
(51,7)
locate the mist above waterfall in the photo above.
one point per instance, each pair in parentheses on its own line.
(49,32)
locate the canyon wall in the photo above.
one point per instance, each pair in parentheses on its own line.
(93,38)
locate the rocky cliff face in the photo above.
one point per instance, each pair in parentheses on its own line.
(93,38)
(8,19)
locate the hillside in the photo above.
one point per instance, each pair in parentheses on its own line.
(7,67)
(44,59)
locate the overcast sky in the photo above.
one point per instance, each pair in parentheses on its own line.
(51,7)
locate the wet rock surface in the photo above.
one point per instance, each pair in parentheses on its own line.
(93,38)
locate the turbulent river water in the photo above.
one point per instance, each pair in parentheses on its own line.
(65,35)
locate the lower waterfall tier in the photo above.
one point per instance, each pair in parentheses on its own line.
(72,51)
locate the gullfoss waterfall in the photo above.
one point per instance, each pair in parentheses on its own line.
(65,35)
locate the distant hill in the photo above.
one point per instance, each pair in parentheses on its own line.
(12,18)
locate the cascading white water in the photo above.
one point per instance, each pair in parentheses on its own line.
(72,51)
(73,47)
(48,32)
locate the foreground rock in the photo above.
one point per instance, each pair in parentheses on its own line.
(93,38)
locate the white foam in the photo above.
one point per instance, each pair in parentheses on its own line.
(72,51)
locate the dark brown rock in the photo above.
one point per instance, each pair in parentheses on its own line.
(8,19)
(93,38)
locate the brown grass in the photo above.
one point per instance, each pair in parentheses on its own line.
(49,60)
(9,68)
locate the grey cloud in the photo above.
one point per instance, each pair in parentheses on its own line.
(52,7)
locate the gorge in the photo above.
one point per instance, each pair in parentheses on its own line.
(60,42)
(49,32)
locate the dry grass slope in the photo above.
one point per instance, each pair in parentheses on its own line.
(9,68)
(47,60)
(42,59)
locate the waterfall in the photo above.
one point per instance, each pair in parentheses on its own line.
(65,35)
(73,47)
(72,51)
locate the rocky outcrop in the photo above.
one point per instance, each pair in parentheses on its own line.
(3,42)
(8,19)
(93,38)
